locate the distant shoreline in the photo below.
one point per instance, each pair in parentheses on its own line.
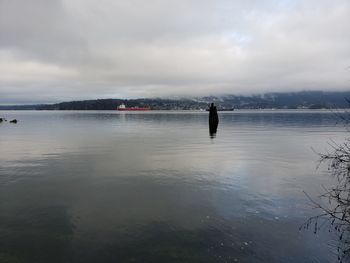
(317,100)
(189,111)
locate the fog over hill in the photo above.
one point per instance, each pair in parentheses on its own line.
(294,100)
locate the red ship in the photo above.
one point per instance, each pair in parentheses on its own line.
(123,108)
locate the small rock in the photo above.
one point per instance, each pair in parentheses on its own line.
(14,121)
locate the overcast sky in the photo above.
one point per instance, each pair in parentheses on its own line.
(55,50)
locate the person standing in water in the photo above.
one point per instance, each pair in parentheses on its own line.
(213,120)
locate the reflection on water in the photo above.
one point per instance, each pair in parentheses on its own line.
(152,187)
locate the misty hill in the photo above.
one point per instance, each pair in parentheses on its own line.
(293,100)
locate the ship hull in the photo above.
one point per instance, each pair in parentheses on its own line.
(230,109)
(134,109)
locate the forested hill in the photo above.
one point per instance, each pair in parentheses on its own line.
(295,100)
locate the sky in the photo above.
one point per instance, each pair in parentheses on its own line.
(61,50)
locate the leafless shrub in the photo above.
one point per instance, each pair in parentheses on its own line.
(334,203)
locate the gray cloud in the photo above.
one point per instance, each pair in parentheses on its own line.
(76,49)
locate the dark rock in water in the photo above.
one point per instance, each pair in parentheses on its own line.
(1,120)
(213,120)
(14,121)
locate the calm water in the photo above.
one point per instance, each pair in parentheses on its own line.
(154,187)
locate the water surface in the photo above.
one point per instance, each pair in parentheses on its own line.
(154,187)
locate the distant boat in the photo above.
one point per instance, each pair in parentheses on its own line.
(223,109)
(122,107)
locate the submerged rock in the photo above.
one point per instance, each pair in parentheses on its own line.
(14,121)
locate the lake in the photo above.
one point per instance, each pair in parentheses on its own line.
(103,186)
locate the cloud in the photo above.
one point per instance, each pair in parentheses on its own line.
(59,49)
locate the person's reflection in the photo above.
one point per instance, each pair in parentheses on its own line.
(213,120)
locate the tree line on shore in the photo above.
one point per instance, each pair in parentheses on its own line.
(293,100)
